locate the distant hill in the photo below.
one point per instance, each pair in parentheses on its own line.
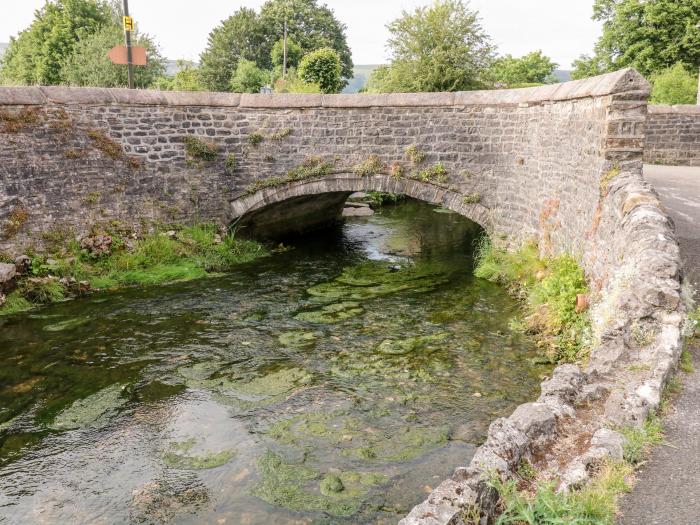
(563,75)
(362,72)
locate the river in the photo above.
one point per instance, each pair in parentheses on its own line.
(335,382)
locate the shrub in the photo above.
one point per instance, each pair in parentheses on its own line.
(200,149)
(248,77)
(674,85)
(549,289)
(322,67)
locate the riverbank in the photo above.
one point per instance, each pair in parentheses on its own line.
(110,259)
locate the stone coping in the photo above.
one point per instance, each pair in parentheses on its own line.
(624,80)
(680,108)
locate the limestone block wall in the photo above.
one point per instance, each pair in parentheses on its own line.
(673,135)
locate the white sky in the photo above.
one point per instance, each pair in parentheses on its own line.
(563,29)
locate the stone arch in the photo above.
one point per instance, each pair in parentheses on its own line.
(337,187)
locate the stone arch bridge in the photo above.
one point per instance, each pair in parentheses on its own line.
(560,165)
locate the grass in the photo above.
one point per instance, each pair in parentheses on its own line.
(548,288)
(312,167)
(415,155)
(641,440)
(195,252)
(14,222)
(595,504)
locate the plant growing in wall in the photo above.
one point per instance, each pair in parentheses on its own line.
(199,149)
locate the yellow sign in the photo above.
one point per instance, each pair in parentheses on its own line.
(128,23)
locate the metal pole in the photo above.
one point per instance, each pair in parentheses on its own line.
(284,62)
(127,37)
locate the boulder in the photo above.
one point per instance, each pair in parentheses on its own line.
(7,274)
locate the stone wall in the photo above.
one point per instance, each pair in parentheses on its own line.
(673,135)
(557,165)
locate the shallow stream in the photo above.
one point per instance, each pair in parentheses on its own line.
(337,382)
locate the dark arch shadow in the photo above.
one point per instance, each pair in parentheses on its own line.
(288,207)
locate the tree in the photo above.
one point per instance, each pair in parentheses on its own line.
(186,79)
(674,85)
(254,36)
(88,64)
(648,35)
(248,78)
(294,53)
(322,67)
(238,37)
(310,25)
(437,48)
(37,54)
(533,68)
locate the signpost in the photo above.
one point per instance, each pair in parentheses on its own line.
(128,28)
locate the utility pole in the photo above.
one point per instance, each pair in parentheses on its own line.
(128,28)
(284,46)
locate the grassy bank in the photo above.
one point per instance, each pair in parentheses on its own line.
(549,289)
(114,259)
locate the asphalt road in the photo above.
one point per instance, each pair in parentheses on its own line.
(668,488)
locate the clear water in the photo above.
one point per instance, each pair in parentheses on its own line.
(317,385)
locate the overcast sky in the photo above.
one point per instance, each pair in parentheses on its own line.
(563,29)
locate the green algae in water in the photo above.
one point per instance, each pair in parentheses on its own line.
(298,338)
(375,279)
(331,313)
(365,440)
(180,457)
(301,488)
(268,388)
(94,410)
(411,344)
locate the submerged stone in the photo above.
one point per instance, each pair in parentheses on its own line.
(64,325)
(94,410)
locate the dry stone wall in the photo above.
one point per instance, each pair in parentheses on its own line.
(559,165)
(673,135)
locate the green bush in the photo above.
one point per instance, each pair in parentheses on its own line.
(248,78)
(322,67)
(549,289)
(674,85)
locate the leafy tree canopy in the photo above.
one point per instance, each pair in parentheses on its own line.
(37,54)
(674,85)
(648,35)
(437,48)
(238,37)
(248,78)
(294,53)
(322,67)
(88,64)
(252,36)
(533,68)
